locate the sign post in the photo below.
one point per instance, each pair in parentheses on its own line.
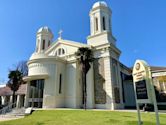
(144,88)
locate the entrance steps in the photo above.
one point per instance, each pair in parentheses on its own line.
(17,112)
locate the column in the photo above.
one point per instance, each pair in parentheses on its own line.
(120,86)
(3,100)
(90,88)
(108,83)
(11,99)
(27,95)
(18,101)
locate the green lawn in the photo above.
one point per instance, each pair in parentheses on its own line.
(81,117)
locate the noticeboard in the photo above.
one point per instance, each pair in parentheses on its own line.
(144,88)
(142,82)
(141,89)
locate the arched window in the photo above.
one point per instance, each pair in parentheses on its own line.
(56,53)
(63,51)
(96,23)
(104,27)
(109,24)
(49,43)
(43,47)
(60,52)
(60,83)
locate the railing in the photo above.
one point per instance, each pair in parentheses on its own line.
(7,108)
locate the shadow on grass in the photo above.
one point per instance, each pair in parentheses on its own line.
(144,123)
(128,116)
(39,123)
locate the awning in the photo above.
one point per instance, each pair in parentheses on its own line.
(35,77)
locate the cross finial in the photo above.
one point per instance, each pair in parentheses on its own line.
(60,34)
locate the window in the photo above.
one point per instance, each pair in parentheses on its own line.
(49,43)
(104,27)
(109,24)
(63,51)
(43,47)
(56,53)
(60,83)
(36,89)
(96,20)
(60,52)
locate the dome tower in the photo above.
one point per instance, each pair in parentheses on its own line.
(100,24)
(43,39)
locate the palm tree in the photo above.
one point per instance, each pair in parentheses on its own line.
(84,57)
(15,80)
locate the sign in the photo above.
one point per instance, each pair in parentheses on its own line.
(142,83)
(144,88)
(141,90)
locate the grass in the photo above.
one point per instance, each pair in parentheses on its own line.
(80,117)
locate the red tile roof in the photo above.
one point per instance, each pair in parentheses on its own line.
(7,91)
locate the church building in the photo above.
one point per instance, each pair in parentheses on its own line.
(54,78)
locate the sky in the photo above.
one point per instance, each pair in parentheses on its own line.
(138,25)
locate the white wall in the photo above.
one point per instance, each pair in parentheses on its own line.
(49,100)
(70,88)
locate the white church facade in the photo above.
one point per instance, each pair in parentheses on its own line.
(54,79)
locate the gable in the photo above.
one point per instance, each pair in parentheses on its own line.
(64,47)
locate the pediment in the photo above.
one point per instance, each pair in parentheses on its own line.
(64,47)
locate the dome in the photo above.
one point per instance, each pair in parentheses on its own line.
(37,56)
(100,3)
(44,29)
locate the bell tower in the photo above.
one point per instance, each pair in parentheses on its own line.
(43,39)
(100,25)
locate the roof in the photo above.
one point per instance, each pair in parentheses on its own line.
(44,29)
(66,42)
(156,68)
(100,3)
(7,91)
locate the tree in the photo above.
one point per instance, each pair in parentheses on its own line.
(22,67)
(15,80)
(84,57)
(15,76)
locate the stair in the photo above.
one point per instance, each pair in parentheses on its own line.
(17,112)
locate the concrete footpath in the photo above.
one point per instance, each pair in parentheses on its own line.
(9,117)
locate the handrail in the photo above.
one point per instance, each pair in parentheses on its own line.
(7,108)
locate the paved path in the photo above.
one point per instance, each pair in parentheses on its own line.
(8,117)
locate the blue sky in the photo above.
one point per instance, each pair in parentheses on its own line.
(138,25)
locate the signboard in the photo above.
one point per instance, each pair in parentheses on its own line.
(142,83)
(144,88)
(141,90)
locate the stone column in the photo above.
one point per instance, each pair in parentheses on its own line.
(11,99)
(108,83)
(120,86)
(90,88)
(27,95)
(18,101)
(3,100)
